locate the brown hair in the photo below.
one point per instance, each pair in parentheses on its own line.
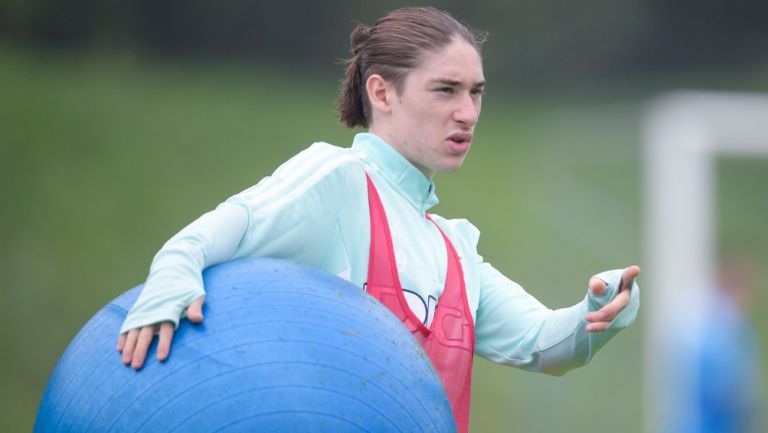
(391,48)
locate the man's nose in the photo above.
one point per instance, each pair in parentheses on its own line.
(468,111)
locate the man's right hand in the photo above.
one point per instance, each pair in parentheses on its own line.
(134,344)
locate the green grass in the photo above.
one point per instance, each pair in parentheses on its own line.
(103,158)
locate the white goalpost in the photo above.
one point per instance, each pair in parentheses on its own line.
(685,133)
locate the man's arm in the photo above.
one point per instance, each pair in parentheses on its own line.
(291,214)
(516,329)
(175,286)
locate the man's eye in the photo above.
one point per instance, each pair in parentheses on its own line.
(447,90)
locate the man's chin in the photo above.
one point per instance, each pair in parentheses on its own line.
(449,168)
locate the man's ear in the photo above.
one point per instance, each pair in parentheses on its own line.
(380,93)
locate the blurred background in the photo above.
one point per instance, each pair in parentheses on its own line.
(122,121)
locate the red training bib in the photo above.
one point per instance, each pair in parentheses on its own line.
(450,340)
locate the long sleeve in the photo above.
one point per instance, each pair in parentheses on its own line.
(175,276)
(292,214)
(514,328)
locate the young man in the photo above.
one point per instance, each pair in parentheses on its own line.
(416,82)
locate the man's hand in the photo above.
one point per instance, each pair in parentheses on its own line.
(600,319)
(135,343)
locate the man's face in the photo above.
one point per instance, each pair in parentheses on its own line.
(435,113)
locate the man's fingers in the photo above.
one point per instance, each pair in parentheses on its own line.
(134,344)
(609,311)
(164,342)
(195,310)
(597,286)
(596,316)
(601,319)
(121,341)
(628,277)
(597,326)
(146,335)
(130,343)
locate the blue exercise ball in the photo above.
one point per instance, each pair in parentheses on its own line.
(283,348)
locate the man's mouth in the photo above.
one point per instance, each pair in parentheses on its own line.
(459,141)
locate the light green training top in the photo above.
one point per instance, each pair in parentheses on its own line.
(314,210)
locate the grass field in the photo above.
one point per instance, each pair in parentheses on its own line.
(103,158)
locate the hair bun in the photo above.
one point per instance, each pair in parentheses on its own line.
(358,38)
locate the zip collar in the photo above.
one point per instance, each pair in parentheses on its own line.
(403,176)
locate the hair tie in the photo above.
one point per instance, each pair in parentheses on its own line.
(359,38)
